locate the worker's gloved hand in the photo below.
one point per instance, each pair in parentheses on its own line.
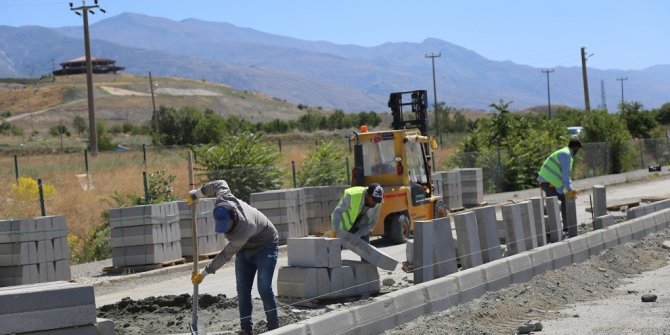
(330,234)
(571,195)
(193,197)
(196,278)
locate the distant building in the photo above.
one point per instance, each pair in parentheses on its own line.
(78,66)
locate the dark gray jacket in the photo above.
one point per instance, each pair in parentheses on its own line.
(252,232)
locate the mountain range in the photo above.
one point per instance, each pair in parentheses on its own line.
(318,73)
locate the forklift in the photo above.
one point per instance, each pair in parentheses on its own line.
(399,160)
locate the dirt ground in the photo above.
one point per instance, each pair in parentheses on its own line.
(499,312)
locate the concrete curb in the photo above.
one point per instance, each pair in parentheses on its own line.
(407,304)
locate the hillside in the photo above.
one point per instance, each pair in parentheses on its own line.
(127,97)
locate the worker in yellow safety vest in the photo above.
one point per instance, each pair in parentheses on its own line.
(554,176)
(358,210)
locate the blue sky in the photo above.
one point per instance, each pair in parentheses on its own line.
(621,34)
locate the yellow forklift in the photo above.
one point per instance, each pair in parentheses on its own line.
(399,160)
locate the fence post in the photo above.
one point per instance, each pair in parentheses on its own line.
(146,188)
(16,168)
(39,188)
(279,142)
(348,171)
(349,138)
(86,161)
(641,157)
(144,155)
(293,167)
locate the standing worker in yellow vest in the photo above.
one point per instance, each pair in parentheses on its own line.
(554,176)
(358,210)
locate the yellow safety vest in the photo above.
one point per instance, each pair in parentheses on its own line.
(356,198)
(551,168)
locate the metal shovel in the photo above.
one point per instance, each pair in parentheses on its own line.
(195,329)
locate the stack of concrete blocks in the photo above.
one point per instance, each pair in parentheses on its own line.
(145,235)
(320,201)
(53,308)
(472,185)
(489,240)
(34,251)
(209,242)
(315,270)
(286,209)
(434,250)
(448,185)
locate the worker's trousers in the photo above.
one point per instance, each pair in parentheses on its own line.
(264,263)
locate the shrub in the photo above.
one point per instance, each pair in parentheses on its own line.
(323,166)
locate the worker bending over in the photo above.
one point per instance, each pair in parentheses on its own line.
(358,210)
(554,176)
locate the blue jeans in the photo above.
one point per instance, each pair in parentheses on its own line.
(551,192)
(264,263)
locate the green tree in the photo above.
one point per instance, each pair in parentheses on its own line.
(59,130)
(640,123)
(104,139)
(324,166)
(79,125)
(600,126)
(663,114)
(309,121)
(245,161)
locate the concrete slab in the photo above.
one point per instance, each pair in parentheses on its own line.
(489,240)
(579,247)
(596,241)
(444,249)
(624,231)
(599,200)
(471,284)
(367,251)
(528,224)
(297,282)
(309,252)
(366,275)
(520,267)
(571,217)
(468,245)
(603,222)
(610,237)
(424,235)
(543,259)
(554,223)
(375,317)
(538,217)
(514,237)
(331,323)
(409,303)
(442,293)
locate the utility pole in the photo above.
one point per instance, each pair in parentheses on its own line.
(622,80)
(587,104)
(30,109)
(603,106)
(83,11)
(432,57)
(153,103)
(547,71)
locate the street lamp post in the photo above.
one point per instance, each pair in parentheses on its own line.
(83,11)
(432,57)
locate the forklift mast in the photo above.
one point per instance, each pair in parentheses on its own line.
(401,102)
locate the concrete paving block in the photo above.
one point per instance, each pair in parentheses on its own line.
(80,330)
(596,241)
(638,229)
(63,271)
(336,280)
(12,254)
(520,267)
(58,249)
(42,228)
(497,275)
(538,218)
(571,211)
(49,248)
(10,231)
(366,275)
(18,275)
(66,248)
(514,237)
(442,293)
(599,200)
(367,251)
(554,224)
(610,238)
(650,224)
(410,303)
(375,317)
(331,323)
(292,329)
(543,259)
(471,284)
(334,252)
(528,224)
(41,251)
(308,252)
(297,282)
(489,240)
(104,326)
(49,269)
(624,231)
(579,247)
(602,222)
(444,249)
(423,251)
(468,244)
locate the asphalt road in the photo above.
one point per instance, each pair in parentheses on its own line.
(177,280)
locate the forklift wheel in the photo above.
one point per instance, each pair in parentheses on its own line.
(399,228)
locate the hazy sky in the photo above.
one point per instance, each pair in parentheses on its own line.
(621,34)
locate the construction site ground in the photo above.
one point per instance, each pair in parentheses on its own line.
(566,301)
